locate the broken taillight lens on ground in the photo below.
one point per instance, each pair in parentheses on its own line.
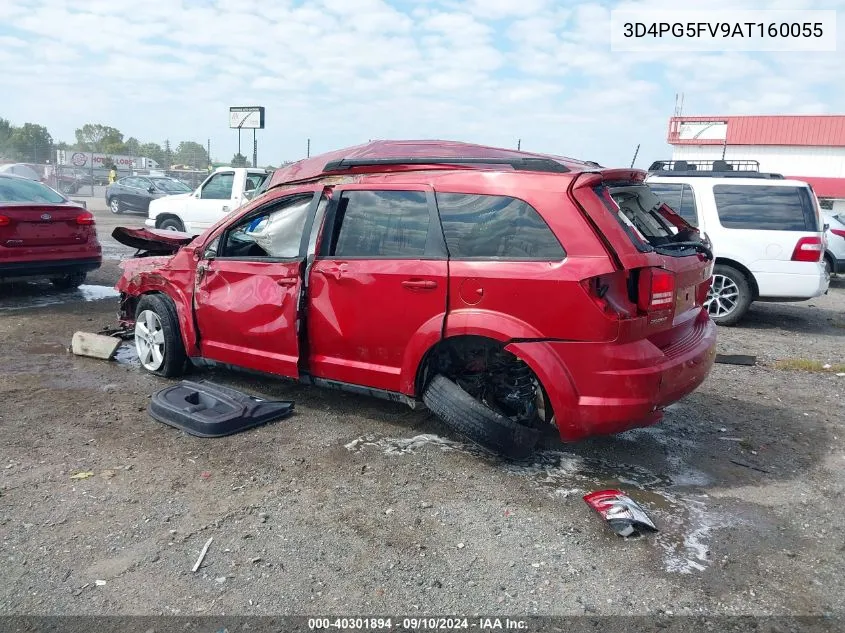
(623,514)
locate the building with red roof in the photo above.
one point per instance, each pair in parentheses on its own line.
(804,147)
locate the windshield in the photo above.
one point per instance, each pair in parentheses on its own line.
(170,185)
(23,190)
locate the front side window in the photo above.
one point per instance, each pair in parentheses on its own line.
(679,198)
(274,233)
(380,224)
(765,207)
(219,187)
(495,227)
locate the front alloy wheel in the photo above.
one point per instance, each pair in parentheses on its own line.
(149,340)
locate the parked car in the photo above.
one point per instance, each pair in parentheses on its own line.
(834,254)
(766,231)
(20,169)
(224,190)
(506,290)
(43,235)
(134,193)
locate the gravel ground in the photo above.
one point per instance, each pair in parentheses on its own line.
(353,505)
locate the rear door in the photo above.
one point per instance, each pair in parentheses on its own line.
(378,282)
(247,290)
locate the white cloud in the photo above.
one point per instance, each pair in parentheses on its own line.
(343,71)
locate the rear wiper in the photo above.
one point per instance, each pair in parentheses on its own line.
(698,246)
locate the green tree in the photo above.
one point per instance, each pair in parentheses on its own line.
(239,160)
(62,146)
(94,137)
(191,153)
(151,150)
(6,131)
(132,146)
(31,143)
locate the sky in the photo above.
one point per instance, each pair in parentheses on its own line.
(341,72)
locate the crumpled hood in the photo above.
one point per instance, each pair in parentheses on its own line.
(157,241)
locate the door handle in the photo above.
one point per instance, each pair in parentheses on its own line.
(287,281)
(332,271)
(419,284)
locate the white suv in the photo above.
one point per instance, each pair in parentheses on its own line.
(767,232)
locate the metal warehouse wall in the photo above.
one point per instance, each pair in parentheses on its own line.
(822,162)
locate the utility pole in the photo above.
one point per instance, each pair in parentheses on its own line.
(308,149)
(208,153)
(254,149)
(518,144)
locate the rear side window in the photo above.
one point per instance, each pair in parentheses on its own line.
(495,227)
(680,198)
(764,207)
(383,224)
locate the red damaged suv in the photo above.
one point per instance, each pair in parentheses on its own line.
(509,292)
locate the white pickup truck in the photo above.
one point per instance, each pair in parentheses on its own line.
(223,191)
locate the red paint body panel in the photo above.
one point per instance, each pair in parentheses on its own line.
(246,312)
(606,366)
(362,320)
(794,130)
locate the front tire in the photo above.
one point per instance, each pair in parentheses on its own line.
(730,295)
(115,206)
(477,422)
(172,224)
(158,339)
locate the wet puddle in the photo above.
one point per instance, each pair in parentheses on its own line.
(26,296)
(685,521)
(127,355)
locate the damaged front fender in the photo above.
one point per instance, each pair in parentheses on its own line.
(172,276)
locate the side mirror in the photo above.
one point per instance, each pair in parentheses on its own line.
(151,189)
(209,253)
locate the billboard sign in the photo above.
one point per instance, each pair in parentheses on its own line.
(246,117)
(101,161)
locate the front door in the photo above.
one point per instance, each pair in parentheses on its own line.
(247,289)
(378,282)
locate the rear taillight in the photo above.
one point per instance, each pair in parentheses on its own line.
(4,221)
(656,290)
(808,249)
(85,219)
(839,232)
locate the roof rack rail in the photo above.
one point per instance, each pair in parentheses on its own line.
(711,168)
(526,163)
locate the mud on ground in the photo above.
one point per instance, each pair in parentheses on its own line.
(353,505)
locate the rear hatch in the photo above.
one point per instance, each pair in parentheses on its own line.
(44,225)
(663,264)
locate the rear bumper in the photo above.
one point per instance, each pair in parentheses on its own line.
(601,389)
(44,269)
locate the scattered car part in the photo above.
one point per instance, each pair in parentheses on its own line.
(623,514)
(206,409)
(94,345)
(476,421)
(736,359)
(202,555)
